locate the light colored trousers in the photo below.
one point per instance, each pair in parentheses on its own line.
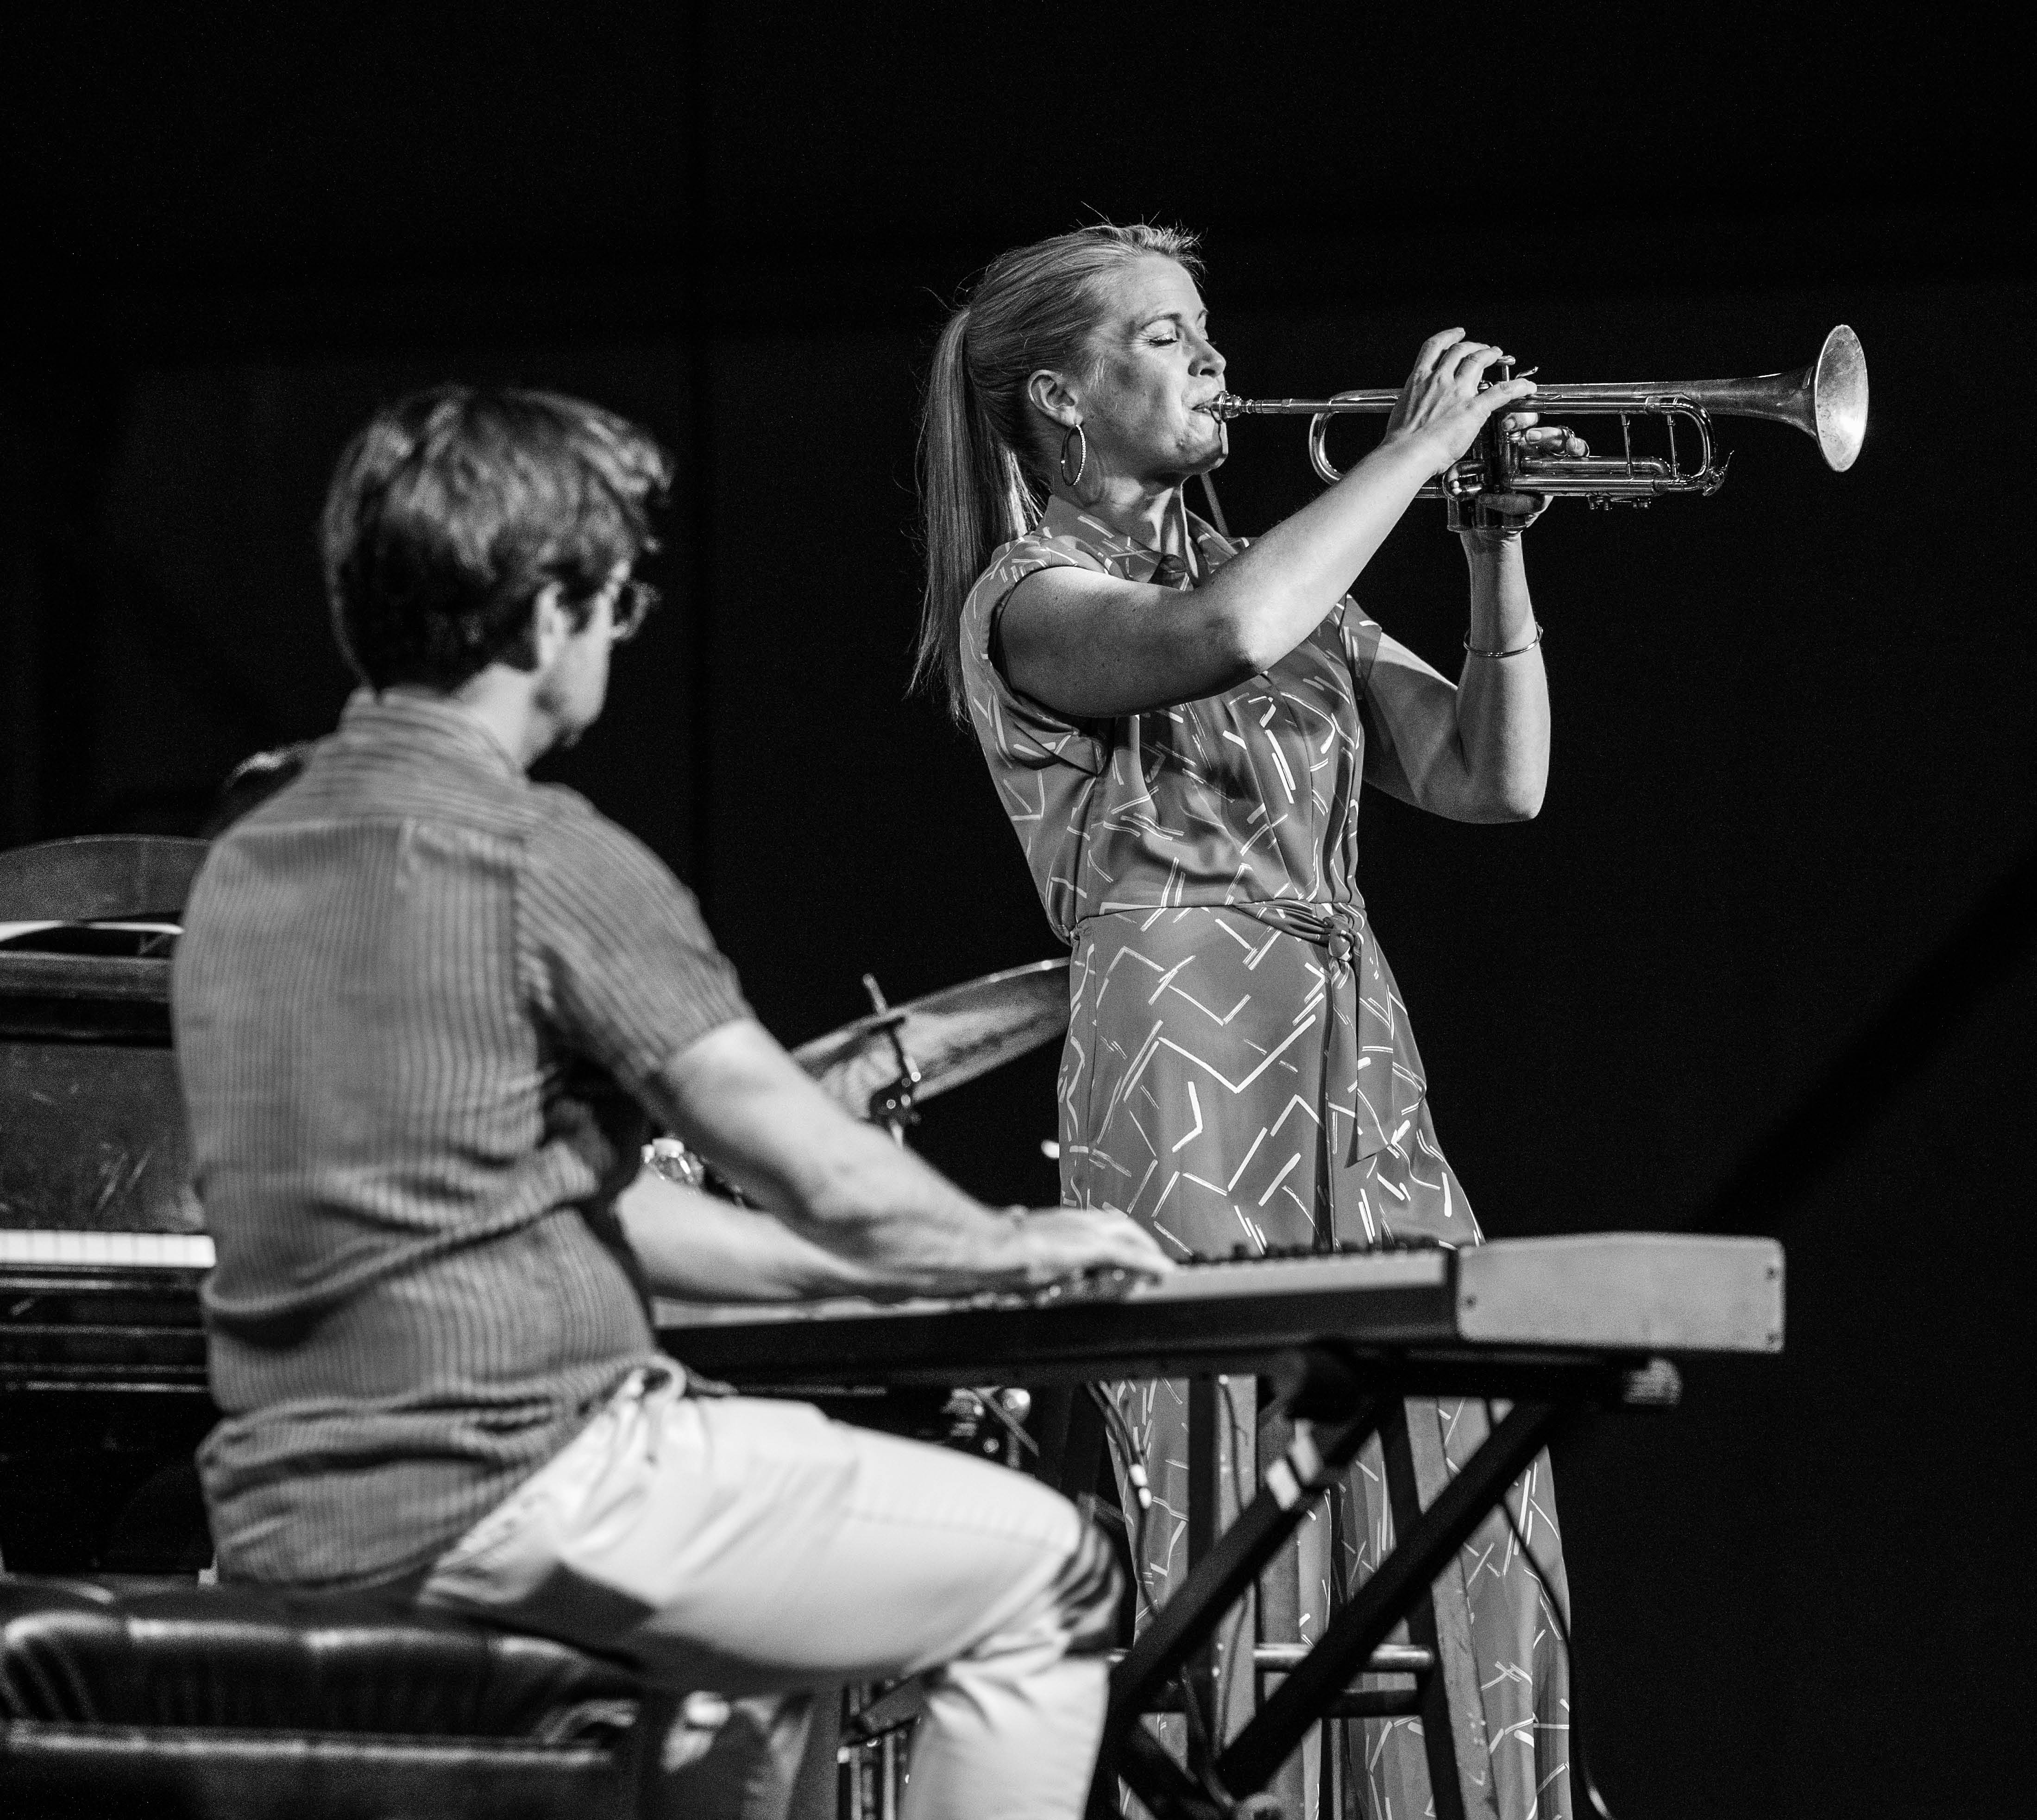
(755,1547)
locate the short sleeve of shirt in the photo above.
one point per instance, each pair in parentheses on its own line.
(614,948)
(1361,637)
(1015,728)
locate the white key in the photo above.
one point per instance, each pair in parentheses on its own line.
(129,1250)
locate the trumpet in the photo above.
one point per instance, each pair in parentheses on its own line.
(1826,400)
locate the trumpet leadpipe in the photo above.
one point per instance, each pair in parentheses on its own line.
(1226,406)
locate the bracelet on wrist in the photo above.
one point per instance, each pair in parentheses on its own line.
(1512,651)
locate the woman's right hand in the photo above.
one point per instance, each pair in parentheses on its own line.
(1446,402)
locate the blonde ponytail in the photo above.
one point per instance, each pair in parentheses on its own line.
(972,498)
(983,476)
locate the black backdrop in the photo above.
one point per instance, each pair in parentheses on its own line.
(1793,747)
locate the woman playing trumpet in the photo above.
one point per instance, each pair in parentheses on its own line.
(1178,728)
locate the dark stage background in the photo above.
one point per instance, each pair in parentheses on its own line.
(1763,961)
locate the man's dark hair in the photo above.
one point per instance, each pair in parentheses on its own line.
(450,513)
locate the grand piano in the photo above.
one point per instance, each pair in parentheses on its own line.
(102,1369)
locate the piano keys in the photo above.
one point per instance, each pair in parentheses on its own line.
(102,1242)
(44,1248)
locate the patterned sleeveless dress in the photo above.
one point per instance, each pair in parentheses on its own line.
(1239,1072)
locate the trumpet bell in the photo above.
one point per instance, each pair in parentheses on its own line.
(1826,400)
(1839,398)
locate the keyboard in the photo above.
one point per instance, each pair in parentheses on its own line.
(1564,1298)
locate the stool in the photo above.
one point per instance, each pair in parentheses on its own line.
(235,1703)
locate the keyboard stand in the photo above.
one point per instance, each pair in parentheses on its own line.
(1453,1729)
(1339,1404)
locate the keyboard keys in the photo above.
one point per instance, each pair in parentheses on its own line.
(59,1249)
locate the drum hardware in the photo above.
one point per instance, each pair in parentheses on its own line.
(877,1718)
(893,1106)
(872,1753)
(990,1419)
(1826,400)
(883,1066)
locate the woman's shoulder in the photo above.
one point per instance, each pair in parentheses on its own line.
(1011,562)
(1041,547)
(1014,728)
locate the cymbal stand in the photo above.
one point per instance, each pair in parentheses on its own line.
(894,1106)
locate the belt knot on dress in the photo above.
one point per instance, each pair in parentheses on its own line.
(1341,933)
(1338,929)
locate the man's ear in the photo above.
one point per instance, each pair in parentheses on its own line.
(1051,394)
(550,626)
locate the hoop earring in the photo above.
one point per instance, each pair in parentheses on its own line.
(1072,481)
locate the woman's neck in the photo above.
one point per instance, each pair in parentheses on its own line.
(1150,513)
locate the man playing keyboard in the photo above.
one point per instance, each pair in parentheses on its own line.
(427,1015)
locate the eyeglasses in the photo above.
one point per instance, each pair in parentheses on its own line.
(630,607)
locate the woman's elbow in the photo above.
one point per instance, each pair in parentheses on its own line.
(1520,799)
(1225,650)
(1249,646)
(1505,800)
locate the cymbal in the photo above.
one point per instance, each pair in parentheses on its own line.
(950,1036)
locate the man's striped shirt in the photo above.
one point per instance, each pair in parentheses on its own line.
(417,1001)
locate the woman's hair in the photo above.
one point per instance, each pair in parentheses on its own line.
(984,449)
(455,509)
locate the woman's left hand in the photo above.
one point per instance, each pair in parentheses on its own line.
(1511,513)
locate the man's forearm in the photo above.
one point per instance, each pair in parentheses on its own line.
(880,1207)
(697,1248)
(737,1098)
(845,1189)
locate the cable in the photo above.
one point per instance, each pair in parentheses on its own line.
(1124,1446)
(1576,1735)
(1200,1753)
(1240,1487)
(1240,1493)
